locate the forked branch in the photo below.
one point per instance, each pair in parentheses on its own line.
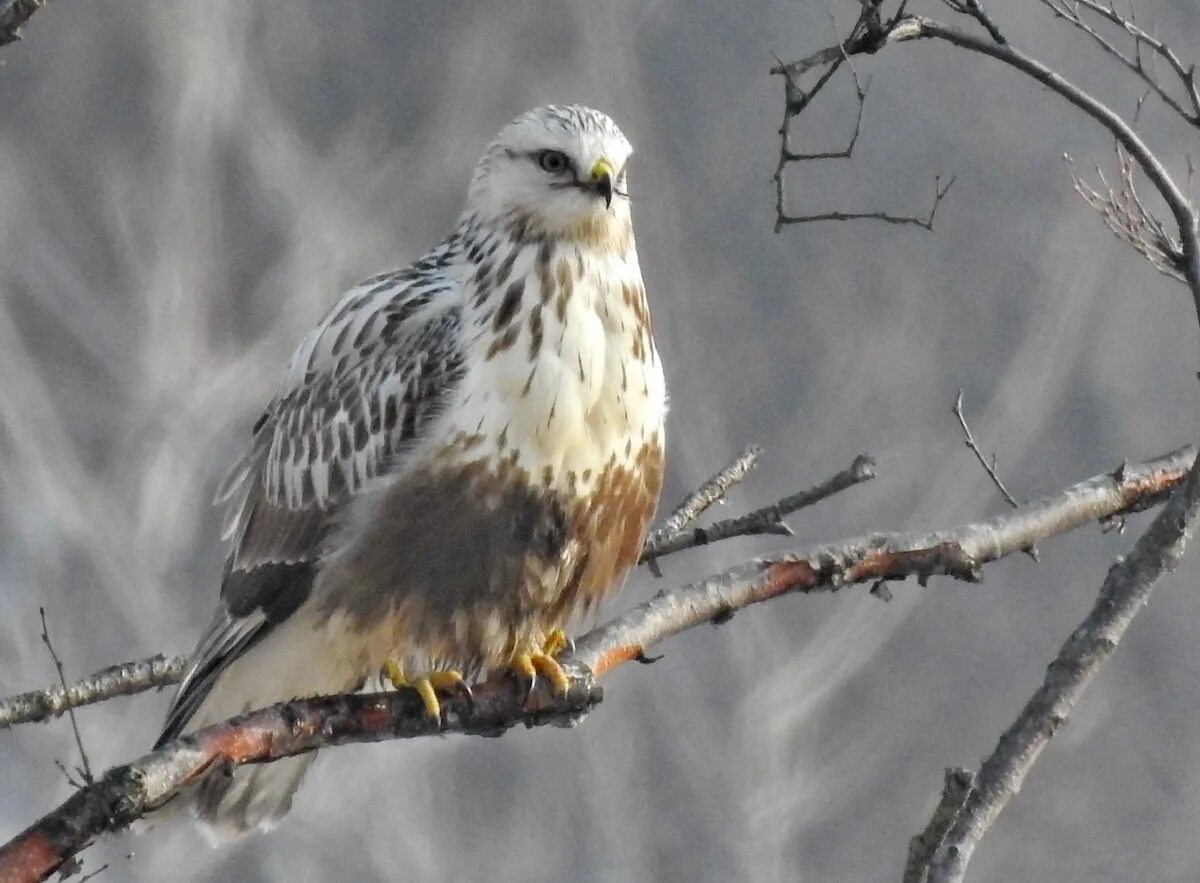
(1075,13)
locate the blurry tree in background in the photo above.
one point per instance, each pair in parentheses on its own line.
(1161,225)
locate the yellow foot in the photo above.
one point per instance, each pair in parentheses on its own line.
(556,642)
(530,665)
(428,685)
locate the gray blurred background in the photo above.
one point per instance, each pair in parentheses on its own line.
(185,187)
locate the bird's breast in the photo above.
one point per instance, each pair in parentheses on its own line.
(568,381)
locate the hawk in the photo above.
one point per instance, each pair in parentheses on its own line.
(462,456)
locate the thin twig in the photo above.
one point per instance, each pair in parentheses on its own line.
(1129,219)
(989,468)
(939,193)
(1070,13)
(846,152)
(866,29)
(116,680)
(974,9)
(94,874)
(695,504)
(86,772)
(768,519)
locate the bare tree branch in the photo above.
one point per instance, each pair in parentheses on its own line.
(866,29)
(955,790)
(1071,12)
(989,468)
(13,15)
(695,504)
(128,792)
(116,680)
(768,519)
(959,552)
(1125,591)
(1185,217)
(86,769)
(870,35)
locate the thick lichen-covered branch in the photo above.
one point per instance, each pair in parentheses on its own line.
(126,793)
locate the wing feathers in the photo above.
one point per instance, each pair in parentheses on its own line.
(360,390)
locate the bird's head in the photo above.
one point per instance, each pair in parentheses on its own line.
(556,171)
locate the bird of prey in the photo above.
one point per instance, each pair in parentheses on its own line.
(462,456)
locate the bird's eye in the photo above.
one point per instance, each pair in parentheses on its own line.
(553,161)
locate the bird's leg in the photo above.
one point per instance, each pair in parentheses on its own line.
(556,642)
(428,685)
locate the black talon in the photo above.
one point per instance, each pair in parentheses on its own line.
(464,690)
(526,686)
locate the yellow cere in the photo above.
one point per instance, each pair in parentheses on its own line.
(601,169)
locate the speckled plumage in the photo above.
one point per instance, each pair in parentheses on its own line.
(462,456)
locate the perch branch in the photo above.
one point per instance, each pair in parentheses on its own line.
(125,793)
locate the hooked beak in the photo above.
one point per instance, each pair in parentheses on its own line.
(602,180)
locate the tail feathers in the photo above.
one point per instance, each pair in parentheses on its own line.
(300,657)
(230,803)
